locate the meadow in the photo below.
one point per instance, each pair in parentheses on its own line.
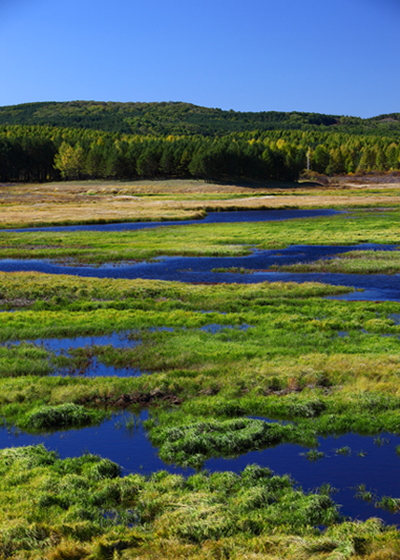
(213,358)
(23,205)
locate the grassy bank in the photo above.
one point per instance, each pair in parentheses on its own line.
(82,509)
(118,201)
(227,239)
(352,262)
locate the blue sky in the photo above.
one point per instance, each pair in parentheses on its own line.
(338,57)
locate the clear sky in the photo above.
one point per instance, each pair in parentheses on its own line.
(339,57)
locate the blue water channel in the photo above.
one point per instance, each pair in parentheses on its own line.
(376,287)
(371,461)
(210,218)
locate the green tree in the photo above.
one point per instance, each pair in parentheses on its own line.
(320,159)
(70,161)
(393,156)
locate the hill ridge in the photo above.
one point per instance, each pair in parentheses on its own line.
(180,118)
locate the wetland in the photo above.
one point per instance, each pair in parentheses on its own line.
(157,400)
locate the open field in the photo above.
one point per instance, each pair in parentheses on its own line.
(109,201)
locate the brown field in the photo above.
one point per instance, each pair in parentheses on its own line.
(113,201)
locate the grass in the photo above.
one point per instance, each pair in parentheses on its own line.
(385,502)
(24,359)
(226,239)
(51,418)
(314,455)
(191,444)
(351,262)
(290,363)
(81,507)
(118,201)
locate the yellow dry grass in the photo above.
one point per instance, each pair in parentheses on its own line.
(86,201)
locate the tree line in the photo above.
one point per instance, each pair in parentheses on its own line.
(45,153)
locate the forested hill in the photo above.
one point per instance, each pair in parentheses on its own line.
(177,118)
(90,140)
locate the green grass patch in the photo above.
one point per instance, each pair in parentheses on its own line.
(351,262)
(190,445)
(229,239)
(68,415)
(82,508)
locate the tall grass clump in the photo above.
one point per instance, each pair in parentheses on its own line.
(60,416)
(192,444)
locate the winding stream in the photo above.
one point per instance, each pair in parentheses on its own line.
(211,218)
(376,287)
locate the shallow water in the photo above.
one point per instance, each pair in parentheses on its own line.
(199,270)
(97,369)
(59,345)
(94,367)
(131,449)
(211,218)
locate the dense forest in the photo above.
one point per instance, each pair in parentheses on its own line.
(179,118)
(49,141)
